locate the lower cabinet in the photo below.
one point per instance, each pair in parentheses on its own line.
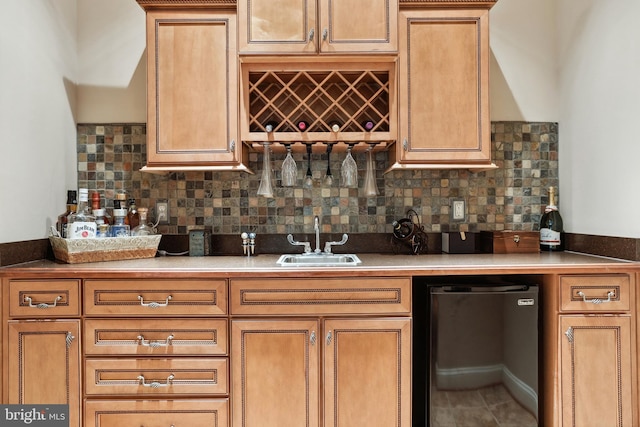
(192,413)
(596,371)
(596,350)
(44,364)
(313,372)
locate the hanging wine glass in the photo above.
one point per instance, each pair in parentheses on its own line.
(289,169)
(370,187)
(308,180)
(266,188)
(349,170)
(328,178)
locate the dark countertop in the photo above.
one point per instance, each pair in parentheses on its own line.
(372,265)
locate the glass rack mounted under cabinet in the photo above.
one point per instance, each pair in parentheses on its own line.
(342,103)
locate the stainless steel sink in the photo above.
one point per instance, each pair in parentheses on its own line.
(319,260)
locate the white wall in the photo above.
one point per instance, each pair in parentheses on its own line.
(37,105)
(599,59)
(111,65)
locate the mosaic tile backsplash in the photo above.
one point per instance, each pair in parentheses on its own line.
(511,197)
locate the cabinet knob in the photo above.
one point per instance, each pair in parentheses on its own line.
(232,145)
(312,33)
(325,34)
(405,144)
(329,337)
(312,338)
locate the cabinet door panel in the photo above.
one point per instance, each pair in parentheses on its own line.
(444,106)
(192,88)
(367,372)
(275,373)
(277,26)
(374,30)
(596,371)
(44,364)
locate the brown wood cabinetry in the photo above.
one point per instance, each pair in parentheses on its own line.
(597,348)
(443,90)
(43,357)
(192,90)
(157,338)
(336,368)
(317,26)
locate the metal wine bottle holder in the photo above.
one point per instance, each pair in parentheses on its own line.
(409,233)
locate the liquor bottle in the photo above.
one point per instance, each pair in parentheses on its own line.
(72,204)
(551,226)
(367,125)
(82,224)
(95,200)
(302,126)
(133,216)
(143,229)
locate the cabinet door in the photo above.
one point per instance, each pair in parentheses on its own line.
(358,26)
(192,89)
(595,363)
(444,98)
(367,373)
(277,26)
(275,373)
(44,364)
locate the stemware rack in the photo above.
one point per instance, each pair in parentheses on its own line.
(322,94)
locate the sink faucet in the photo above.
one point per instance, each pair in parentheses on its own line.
(327,245)
(316,227)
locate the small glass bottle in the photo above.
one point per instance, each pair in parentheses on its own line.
(72,203)
(119,228)
(82,224)
(133,216)
(103,225)
(143,228)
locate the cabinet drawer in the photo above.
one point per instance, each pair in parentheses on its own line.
(180,376)
(377,295)
(192,412)
(155,297)
(139,337)
(44,298)
(601,293)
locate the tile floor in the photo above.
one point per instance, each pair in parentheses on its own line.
(491,406)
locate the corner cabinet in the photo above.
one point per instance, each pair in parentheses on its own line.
(192,90)
(443,88)
(318,26)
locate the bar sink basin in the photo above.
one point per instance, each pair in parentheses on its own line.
(319,260)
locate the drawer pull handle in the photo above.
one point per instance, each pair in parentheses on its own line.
(597,300)
(154,304)
(155,384)
(155,344)
(42,304)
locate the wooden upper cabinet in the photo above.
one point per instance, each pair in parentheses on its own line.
(192,89)
(444,96)
(312,26)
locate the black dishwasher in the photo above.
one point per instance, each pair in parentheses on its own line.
(476,354)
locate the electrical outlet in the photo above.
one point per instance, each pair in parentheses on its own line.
(458,209)
(162,212)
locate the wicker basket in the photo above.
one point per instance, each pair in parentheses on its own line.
(74,251)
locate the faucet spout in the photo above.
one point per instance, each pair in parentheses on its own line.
(316,227)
